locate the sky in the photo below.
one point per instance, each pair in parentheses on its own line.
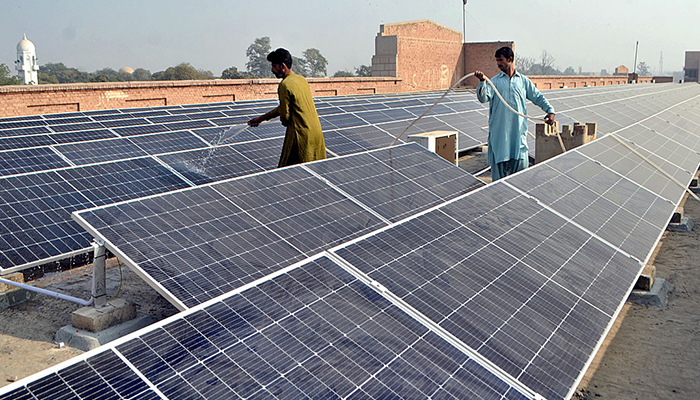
(214,35)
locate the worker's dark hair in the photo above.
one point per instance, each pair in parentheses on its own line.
(280,56)
(506,52)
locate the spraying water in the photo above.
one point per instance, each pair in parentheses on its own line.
(199,165)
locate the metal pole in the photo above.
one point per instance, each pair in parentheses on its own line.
(464,21)
(99,283)
(635,57)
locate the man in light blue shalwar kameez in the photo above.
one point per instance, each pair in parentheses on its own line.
(507,141)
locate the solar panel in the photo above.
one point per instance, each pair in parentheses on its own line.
(19,142)
(28,160)
(36,222)
(100,150)
(160,143)
(213,164)
(498,272)
(244,228)
(313,332)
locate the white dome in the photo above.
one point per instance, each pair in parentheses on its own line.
(25,45)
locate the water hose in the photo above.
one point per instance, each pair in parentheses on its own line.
(561,142)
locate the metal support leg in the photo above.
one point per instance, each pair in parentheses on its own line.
(99,285)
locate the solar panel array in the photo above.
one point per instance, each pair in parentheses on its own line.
(505,292)
(193,245)
(63,141)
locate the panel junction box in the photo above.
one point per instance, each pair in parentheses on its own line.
(443,143)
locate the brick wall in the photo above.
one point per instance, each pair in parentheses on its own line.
(47,99)
(423,54)
(481,56)
(543,82)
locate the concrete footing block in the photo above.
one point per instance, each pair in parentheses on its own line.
(95,319)
(15,297)
(656,297)
(686,225)
(646,279)
(86,340)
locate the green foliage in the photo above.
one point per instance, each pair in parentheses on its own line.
(106,75)
(343,73)
(6,77)
(257,64)
(569,71)
(59,73)
(234,73)
(643,69)
(299,66)
(363,70)
(181,72)
(315,63)
(141,74)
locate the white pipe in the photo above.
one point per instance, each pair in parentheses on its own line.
(48,292)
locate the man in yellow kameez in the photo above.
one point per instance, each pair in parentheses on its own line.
(303,141)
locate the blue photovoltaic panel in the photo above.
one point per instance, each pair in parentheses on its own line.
(70,137)
(398,181)
(140,129)
(619,211)
(77,127)
(100,150)
(122,180)
(213,164)
(196,244)
(313,332)
(20,142)
(35,220)
(300,208)
(29,160)
(480,280)
(177,126)
(24,131)
(355,140)
(160,143)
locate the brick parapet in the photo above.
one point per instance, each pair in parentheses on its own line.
(45,99)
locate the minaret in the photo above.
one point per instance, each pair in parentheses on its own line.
(27,63)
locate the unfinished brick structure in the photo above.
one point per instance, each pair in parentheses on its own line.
(423,54)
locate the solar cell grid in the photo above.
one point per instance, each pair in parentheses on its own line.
(100,150)
(323,334)
(35,221)
(160,143)
(486,281)
(19,142)
(28,160)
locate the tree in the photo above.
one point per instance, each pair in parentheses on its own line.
(182,71)
(6,77)
(643,69)
(257,53)
(525,65)
(315,62)
(342,73)
(569,71)
(300,67)
(105,75)
(141,74)
(546,60)
(234,73)
(363,70)
(59,73)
